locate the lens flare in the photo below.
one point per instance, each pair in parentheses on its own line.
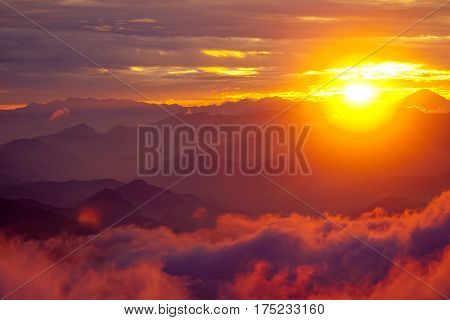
(89,219)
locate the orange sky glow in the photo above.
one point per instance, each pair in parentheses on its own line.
(286,49)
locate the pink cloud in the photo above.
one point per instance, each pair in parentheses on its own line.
(60,114)
(270,256)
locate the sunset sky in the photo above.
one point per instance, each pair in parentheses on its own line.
(198,52)
(331,182)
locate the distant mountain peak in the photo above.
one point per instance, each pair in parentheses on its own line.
(105,198)
(119,129)
(246,102)
(427,101)
(104,194)
(138,192)
(139,185)
(138,182)
(255,102)
(80,128)
(427,91)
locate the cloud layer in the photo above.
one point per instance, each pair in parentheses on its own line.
(268,257)
(279,40)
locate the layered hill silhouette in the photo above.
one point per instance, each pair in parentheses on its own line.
(102,115)
(107,208)
(32,221)
(413,145)
(11,181)
(41,159)
(56,193)
(178,211)
(41,119)
(136,203)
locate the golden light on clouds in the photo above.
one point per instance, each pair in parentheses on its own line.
(143,20)
(317,19)
(233,72)
(178,71)
(182,71)
(224,53)
(233,53)
(391,79)
(382,82)
(11,106)
(137,69)
(386,71)
(287,48)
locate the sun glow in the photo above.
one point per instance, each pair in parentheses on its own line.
(359,93)
(358,108)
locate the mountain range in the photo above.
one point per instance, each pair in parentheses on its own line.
(108,202)
(80,169)
(102,115)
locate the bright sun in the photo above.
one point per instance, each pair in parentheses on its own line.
(359,93)
(361,111)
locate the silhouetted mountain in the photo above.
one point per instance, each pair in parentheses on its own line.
(250,106)
(16,192)
(9,168)
(426,101)
(412,142)
(102,115)
(48,161)
(64,193)
(43,119)
(31,222)
(74,191)
(77,132)
(109,154)
(180,212)
(31,203)
(98,155)
(11,181)
(138,191)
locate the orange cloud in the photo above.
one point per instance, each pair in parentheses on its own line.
(143,20)
(242,257)
(60,114)
(233,72)
(220,53)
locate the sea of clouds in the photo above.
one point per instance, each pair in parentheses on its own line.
(265,257)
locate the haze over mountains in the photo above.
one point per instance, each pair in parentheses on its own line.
(102,115)
(41,119)
(44,209)
(92,156)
